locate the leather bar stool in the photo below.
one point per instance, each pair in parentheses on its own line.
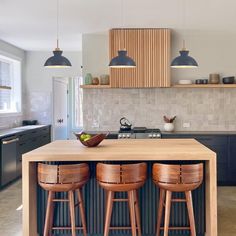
(122,178)
(63,178)
(176,178)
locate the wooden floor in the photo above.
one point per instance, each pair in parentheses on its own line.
(11,222)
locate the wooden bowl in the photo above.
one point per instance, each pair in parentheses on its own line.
(93,141)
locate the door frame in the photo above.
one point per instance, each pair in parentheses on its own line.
(60,79)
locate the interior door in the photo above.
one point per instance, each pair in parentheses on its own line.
(60,108)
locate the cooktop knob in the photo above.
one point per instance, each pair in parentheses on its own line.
(128,136)
(150,135)
(154,135)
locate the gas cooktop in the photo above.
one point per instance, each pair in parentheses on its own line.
(140,133)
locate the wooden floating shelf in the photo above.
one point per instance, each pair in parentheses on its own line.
(173,86)
(5,87)
(204,86)
(95,86)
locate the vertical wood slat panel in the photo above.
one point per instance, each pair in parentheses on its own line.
(150,48)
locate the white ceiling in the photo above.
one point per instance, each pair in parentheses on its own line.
(31,24)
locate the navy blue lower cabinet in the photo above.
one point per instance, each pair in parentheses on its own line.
(94,200)
(232,164)
(223,145)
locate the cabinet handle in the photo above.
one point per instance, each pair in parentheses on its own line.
(10,141)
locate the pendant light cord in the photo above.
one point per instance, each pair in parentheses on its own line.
(123,22)
(184,26)
(57,25)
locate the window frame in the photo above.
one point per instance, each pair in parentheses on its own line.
(9,58)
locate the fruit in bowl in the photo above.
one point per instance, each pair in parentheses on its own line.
(89,140)
(85,137)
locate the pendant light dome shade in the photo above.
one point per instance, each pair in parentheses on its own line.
(122,61)
(57,60)
(184,60)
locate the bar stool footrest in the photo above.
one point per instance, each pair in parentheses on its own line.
(65,228)
(176,228)
(121,228)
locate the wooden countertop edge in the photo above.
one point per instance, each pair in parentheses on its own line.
(124,150)
(80,157)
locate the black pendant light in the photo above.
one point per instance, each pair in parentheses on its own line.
(122,60)
(184,60)
(57,60)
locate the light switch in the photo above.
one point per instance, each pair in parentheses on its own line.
(186,125)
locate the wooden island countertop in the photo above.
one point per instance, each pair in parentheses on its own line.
(119,150)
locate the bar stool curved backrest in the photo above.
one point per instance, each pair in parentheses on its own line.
(63,178)
(124,175)
(75,175)
(178,178)
(130,173)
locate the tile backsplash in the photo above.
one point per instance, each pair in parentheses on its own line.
(204,109)
(39,107)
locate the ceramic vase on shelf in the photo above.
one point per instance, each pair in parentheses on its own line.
(169,124)
(88,79)
(104,80)
(169,127)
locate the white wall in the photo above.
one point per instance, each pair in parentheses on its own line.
(39,82)
(95,54)
(9,50)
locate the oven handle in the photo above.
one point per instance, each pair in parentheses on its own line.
(10,141)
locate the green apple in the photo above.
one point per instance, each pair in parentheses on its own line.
(83,137)
(86,139)
(88,136)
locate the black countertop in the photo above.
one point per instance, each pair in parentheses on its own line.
(8,132)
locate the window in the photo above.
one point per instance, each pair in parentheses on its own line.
(10,77)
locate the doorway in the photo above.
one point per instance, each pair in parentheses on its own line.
(60,108)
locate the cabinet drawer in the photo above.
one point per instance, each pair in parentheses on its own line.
(23,136)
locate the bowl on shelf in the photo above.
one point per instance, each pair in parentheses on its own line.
(93,141)
(185,81)
(228,80)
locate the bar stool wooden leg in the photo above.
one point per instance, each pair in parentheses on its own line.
(72,212)
(49,215)
(189,201)
(110,196)
(167,212)
(132,212)
(160,211)
(137,212)
(82,212)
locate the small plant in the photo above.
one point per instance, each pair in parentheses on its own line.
(169,120)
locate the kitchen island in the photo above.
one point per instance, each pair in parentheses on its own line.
(150,151)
